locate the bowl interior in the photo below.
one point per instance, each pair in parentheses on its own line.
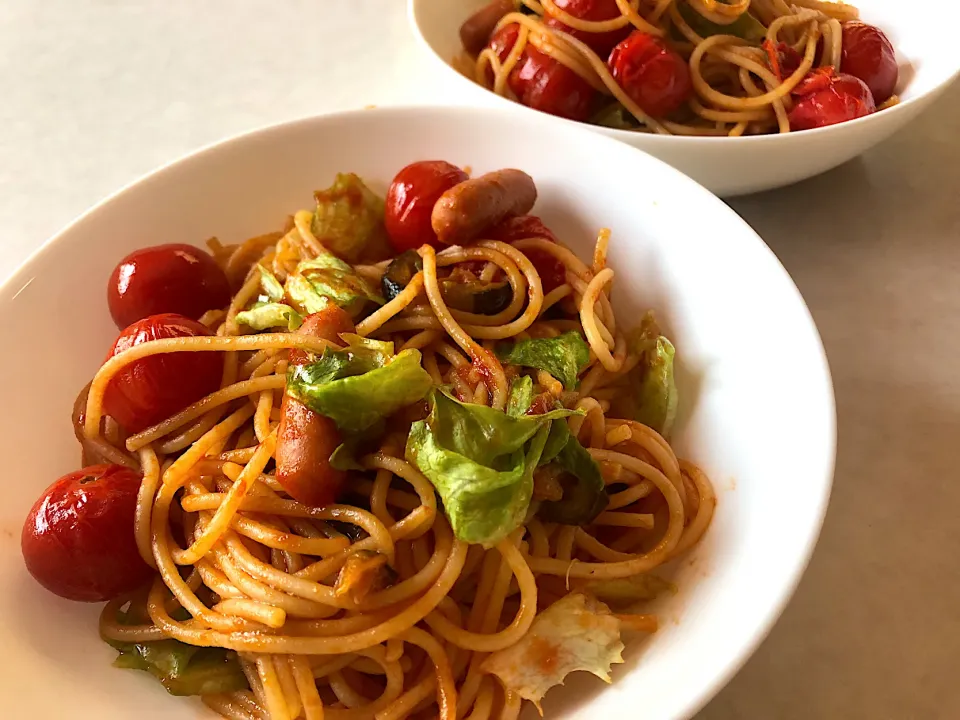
(757,406)
(921,36)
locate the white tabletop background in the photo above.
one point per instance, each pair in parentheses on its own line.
(93,94)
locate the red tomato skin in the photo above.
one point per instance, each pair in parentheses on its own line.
(869,55)
(171,278)
(652,74)
(153,388)
(831,100)
(553,273)
(410,200)
(78,539)
(595,11)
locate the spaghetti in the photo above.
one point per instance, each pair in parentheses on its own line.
(377,605)
(689,67)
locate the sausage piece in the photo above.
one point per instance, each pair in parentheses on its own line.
(464,211)
(306,439)
(477,29)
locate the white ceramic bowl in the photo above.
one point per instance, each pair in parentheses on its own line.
(757,406)
(922,31)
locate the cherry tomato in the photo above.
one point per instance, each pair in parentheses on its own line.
(166,279)
(153,388)
(542,83)
(410,200)
(823,99)
(553,273)
(654,75)
(78,540)
(595,11)
(869,55)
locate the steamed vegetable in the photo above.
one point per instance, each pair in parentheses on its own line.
(263,316)
(477,297)
(348,220)
(326,279)
(564,356)
(360,385)
(575,633)
(481,461)
(399,273)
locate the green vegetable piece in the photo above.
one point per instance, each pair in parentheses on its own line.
(359,386)
(184,669)
(746,26)
(657,396)
(477,297)
(481,461)
(624,592)
(564,356)
(400,272)
(326,279)
(349,218)
(521,396)
(263,316)
(584,492)
(615,116)
(272,287)
(557,439)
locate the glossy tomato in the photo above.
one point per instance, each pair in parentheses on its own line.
(553,273)
(594,11)
(869,55)
(78,540)
(651,73)
(542,83)
(410,200)
(166,279)
(823,99)
(153,388)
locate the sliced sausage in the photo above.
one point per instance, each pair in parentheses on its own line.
(464,211)
(306,439)
(476,31)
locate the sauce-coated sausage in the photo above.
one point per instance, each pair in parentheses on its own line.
(464,211)
(477,29)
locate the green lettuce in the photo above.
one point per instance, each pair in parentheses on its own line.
(656,390)
(746,26)
(584,492)
(349,218)
(360,385)
(324,279)
(272,288)
(521,396)
(184,669)
(564,356)
(481,461)
(263,316)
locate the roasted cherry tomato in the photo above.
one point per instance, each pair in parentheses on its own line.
(869,55)
(594,11)
(824,99)
(78,540)
(651,73)
(552,272)
(153,388)
(542,83)
(178,279)
(410,200)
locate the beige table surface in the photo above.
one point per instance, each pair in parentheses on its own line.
(93,94)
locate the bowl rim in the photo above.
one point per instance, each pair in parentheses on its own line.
(630,136)
(750,640)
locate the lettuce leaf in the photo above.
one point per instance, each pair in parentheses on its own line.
(360,385)
(263,316)
(564,356)
(575,633)
(624,592)
(584,492)
(184,669)
(326,279)
(655,391)
(481,461)
(272,287)
(521,396)
(349,218)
